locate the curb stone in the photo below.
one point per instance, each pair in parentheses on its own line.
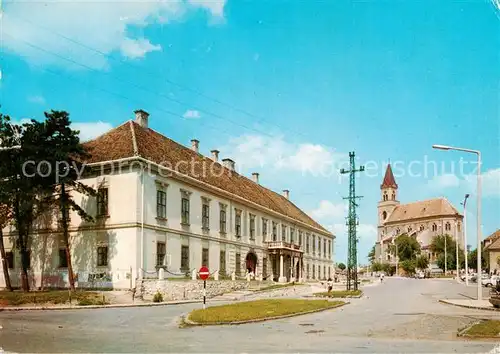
(470,306)
(91,307)
(192,323)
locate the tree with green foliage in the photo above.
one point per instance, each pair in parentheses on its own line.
(371,255)
(376,267)
(66,154)
(341,266)
(438,247)
(472,258)
(422,262)
(407,247)
(408,265)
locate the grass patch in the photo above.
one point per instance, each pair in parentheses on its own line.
(258,310)
(489,328)
(339,293)
(55,297)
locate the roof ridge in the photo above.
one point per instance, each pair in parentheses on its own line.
(134,140)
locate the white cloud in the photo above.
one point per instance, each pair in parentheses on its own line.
(137,48)
(36,99)
(191,114)
(91,130)
(490,183)
(327,209)
(275,152)
(101,25)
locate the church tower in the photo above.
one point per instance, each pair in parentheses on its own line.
(388,202)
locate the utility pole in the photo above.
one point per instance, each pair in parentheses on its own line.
(352,222)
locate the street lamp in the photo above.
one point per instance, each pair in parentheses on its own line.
(464,203)
(456,250)
(478,217)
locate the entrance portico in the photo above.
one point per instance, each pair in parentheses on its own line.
(286,260)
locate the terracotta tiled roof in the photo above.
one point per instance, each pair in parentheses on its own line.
(422,209)
(389,181)
(130,139)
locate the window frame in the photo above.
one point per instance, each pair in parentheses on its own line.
(159,248)
(205,216)
(63,260)
(185,206)
(102,257)
(102,201)
(161,204)
(222,220)
(252,227)
(185,258)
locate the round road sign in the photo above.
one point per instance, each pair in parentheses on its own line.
(204,273)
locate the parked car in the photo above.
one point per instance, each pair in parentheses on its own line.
(489,281)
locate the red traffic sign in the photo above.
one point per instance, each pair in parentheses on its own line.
(204,273)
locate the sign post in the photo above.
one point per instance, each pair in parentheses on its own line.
(204,274)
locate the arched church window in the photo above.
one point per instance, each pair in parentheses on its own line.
(397,231)
(393,196)
(409,228)
(384,215)
(447,226)
(434,227)
(422,227)
(385,197)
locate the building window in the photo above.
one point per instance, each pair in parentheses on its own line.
(237,223)
(252,227)
(329,249)
(385,196)
(283,233)
(222,221)
(307,272)
(308,240)
(275,231)
(238,264)
(314,271)
(10,259)
(222,262)
(434,227)
(447,226)
(409,228)
(459,227)
(264,229)
(161,252)
(398,230)
(324,248)
(314,245)
(185,258)
(185,211)
(205,216)
(292,236)
(300,238)
(393,196)
(161,204)
(63,260)
(324,272)
(204,257)
(422,227)
(102,202)
(102,256)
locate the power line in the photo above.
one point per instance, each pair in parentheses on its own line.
(181,86)
(136,85)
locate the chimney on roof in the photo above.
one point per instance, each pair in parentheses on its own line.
(195,144)
(255,177)
(215,155)
(228,163)
(286,193)
(141,118)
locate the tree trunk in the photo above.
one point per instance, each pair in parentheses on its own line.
(25,284)
(5,267)
(64,208)
(22,237)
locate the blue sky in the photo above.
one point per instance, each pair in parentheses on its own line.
(285,88)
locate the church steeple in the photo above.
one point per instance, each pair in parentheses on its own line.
(389,181)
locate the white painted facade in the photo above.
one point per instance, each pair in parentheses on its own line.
(132,230)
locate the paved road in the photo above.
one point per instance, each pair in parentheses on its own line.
(400,315)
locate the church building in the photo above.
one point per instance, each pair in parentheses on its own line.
(423,220)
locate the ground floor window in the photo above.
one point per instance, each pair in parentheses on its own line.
(63,260)
(185,258)
(308,271)
(222,261)
(204,257)
(324,272)
(264,267)
(102,256)
(238,264)
(161,251)
(314,272)
(329,272)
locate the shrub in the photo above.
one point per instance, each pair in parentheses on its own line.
(158,297)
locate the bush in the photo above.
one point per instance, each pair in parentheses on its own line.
(158,297)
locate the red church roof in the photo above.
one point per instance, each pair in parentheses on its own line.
(389,181)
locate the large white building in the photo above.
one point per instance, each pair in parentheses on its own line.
(161,204)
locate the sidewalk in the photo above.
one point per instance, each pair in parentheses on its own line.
(471,304)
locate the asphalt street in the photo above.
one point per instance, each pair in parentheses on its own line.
(397,316)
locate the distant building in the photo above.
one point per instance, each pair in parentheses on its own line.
(492,249)
(422,220)
(161,204)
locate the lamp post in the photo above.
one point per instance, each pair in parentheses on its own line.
(456,251)
(464,203)
(479,195)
